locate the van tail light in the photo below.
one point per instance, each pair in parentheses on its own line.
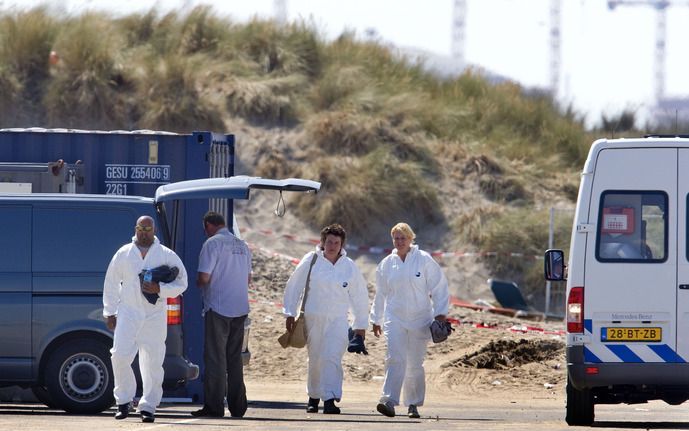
(575,310)
(174,311)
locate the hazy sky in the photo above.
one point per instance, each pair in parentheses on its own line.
(607,56)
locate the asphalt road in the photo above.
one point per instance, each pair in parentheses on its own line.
(281,407)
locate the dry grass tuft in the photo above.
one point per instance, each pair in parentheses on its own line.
(90,85)
(355,134)
(26,40)
(271,101)
(470,225)
(171,100)
(273,164)
(482,165)
(365,194)
(337,85)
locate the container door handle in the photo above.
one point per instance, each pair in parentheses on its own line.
(684,286)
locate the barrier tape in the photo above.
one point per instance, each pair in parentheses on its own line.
(386,250)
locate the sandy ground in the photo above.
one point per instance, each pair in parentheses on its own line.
(488,354)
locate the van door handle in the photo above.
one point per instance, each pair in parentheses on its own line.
(684,286)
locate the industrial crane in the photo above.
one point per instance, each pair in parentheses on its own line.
(660,7)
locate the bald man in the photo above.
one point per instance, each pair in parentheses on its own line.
(140,326)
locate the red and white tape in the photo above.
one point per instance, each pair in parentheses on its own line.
(386,250)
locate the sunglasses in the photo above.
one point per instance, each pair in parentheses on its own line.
(144,228)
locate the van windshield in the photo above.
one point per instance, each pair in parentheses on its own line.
(632,226)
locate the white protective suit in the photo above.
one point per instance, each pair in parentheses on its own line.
(141,326)
(408,296)
(333,289)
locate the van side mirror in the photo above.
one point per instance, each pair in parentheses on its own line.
(554,266)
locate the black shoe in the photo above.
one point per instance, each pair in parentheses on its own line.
(147,416)
(122,411)
(312,407)
(204,412)
(413,412)
(329,407)
(387,408)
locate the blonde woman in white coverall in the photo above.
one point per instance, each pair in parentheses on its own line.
(139,325)
(336,285)
(411,290)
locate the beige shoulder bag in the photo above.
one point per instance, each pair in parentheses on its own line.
(297,338)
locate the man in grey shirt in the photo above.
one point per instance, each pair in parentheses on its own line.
(223,277)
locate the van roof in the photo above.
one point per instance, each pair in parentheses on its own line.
(645,141)
(648,141)
(61,197)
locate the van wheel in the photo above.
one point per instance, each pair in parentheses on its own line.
(78,377)
(41,393)
(580,410)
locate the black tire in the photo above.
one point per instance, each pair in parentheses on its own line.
(78,376)
(41,393)
(580,406)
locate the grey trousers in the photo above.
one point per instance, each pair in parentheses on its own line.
(223,368)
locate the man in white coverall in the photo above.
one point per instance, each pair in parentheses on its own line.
(139,325)
(335,285)
(411,290)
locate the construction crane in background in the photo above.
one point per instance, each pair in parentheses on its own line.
(555,21)
(659,55)
(660,7)
(280,11)
(459,16)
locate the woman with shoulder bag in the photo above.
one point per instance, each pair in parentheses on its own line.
(335,286)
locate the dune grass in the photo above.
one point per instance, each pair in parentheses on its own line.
(379,131)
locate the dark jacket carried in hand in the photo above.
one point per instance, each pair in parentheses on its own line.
(440,330)
(161,274)
(356,343)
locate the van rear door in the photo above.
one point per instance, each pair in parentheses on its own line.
(222,190)
(230,188)
(683,255)
(630,287)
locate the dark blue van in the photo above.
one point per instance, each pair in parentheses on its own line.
(56,248)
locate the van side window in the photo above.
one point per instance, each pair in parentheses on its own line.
(15,240)
(61,234)
(632,226)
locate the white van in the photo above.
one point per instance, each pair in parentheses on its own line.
(628,277)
